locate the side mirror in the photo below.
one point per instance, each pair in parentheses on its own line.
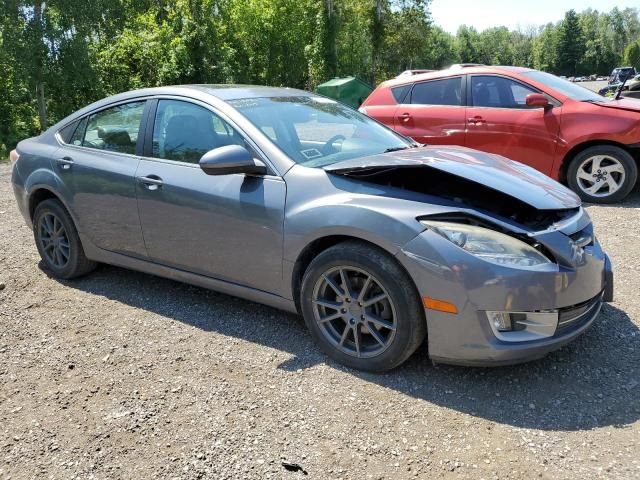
(537,100)
(231,159)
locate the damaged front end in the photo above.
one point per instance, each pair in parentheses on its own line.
(438,186)
(468,179)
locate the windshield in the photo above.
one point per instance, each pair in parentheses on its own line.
(571,90)
(317,131)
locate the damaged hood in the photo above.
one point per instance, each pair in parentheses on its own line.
(491,171)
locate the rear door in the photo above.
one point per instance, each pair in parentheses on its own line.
(499,121)
(97,164)
(433,112)
(227,227)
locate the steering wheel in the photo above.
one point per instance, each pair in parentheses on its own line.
(328,147)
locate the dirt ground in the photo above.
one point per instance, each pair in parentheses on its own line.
(125,375)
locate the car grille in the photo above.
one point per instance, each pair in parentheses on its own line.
(577,315)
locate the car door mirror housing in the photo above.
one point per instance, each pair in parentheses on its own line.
(231,159)
(537,100)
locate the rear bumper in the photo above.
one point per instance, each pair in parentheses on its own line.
(21,195)
(475,287)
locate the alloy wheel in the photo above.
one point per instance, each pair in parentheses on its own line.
(54,240)
(354,311)
(600,175)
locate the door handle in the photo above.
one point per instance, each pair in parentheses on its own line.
(405,117)
(65,163)
(477,120)
(150,182)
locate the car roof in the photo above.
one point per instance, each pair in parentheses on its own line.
(222,91)
(453,71)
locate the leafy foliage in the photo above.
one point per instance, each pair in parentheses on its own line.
(59,55)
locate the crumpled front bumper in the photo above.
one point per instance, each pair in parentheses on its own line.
(445,272)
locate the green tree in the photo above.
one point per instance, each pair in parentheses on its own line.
(570,44)
(467,41)
(632,55)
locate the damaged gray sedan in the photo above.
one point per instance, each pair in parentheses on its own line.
(295,201)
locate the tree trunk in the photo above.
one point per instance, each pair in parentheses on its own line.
(39,71)
(42,106)
(377,37)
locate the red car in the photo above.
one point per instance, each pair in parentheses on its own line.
(566,131)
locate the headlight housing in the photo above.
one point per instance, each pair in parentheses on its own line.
(489,245)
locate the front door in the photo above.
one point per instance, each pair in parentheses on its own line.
(433,112)
(227,227)
(499,121)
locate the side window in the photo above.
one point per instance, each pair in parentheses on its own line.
(184,131)
(67,132)
(499,92)
(447,91)
(78,134)
(115,129)
(399,93)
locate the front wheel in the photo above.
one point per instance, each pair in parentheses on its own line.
(602,174)
(362,308)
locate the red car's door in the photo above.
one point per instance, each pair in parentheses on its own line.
(433,112)
(499,121)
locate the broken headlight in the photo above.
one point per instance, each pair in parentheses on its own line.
(489,245)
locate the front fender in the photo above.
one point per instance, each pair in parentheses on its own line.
(320,204)
(353,219)
(582,126)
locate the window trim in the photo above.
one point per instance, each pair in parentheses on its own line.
(97,110)
(463,92)
(147,148)
(554,101)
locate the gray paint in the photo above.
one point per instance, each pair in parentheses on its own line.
(242,235)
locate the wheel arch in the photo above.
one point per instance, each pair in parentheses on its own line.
(319,245)
(39,195)
(581,147)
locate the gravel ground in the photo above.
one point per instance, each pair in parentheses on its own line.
(125,375)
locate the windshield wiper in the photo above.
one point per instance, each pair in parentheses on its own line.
(396,149)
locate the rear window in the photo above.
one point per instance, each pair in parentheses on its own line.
(447,91)
(67,132)
(399,93)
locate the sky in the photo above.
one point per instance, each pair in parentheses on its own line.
(482,14)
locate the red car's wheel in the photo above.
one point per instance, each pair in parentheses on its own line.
(602,174)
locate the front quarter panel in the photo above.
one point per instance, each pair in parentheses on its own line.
(320,204)
(585,122)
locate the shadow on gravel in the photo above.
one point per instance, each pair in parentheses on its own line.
(632,201)
(593,382)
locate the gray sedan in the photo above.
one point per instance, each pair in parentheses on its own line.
(295,201)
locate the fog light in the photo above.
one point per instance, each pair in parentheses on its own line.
(501,321)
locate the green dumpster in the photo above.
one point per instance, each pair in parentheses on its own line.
(349,90)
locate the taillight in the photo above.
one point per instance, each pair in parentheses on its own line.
(13,157)
(363,110)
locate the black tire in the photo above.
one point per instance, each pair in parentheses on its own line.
(402,301)
(612,154)
(73,262)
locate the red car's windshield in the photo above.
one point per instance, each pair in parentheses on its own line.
(571,90)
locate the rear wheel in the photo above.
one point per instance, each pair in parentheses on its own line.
(362,308)
(602,174)
(58,242)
